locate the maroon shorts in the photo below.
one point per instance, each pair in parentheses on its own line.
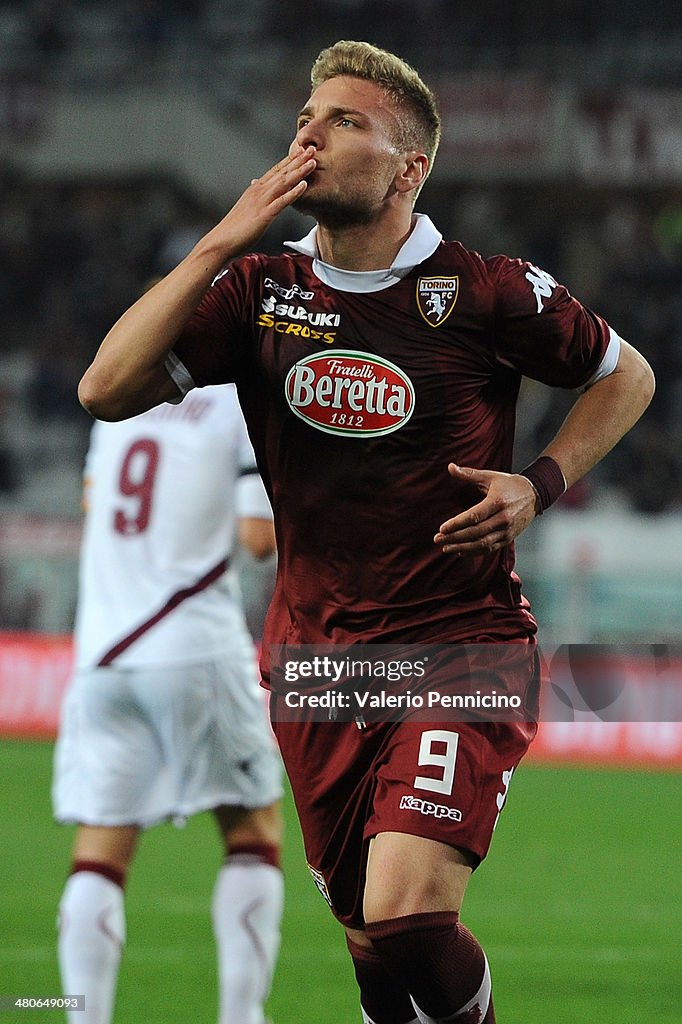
(445,781)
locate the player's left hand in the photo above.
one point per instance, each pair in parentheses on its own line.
(505,510)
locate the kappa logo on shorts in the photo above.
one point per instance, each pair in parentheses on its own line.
(436,298)
(415,803)
(318,879)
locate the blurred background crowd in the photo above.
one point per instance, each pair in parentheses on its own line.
(564,147)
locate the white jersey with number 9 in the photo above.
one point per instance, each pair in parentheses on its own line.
(152,587)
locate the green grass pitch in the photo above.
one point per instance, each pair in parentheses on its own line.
(578,906)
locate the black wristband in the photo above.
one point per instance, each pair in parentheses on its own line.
(547,479)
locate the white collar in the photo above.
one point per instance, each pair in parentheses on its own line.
(421,243)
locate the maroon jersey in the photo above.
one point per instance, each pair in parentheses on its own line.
(357,401)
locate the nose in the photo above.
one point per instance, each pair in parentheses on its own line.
(311,134)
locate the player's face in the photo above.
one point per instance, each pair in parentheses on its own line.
(354,128)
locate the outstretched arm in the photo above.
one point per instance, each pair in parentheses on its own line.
(127,375)
(600,417)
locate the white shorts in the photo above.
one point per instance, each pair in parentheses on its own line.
(140,745)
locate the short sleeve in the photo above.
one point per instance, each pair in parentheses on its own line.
(214,347)
(541,330)
(252,500)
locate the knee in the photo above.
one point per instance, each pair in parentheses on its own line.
(388,906)
(408,874)
(111,847)
(357,938)
(262,826)
(389,902)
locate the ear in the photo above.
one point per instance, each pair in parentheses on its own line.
(413,173)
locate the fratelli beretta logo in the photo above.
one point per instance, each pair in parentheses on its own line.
(350,393)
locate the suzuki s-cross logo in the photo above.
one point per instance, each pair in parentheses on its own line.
(349,393)
(436,298)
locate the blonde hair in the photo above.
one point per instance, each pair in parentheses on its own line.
(413,99)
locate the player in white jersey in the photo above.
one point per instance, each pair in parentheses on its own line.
(164,716)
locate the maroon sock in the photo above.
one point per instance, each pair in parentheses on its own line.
(382,996)
(267,853)
(441,963)
(99,867)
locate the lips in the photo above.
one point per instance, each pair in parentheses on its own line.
(312,178)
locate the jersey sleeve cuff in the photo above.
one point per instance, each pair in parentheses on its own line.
(609,361)
(251,498)
(180,375)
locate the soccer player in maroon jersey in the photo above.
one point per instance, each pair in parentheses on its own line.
(378,367)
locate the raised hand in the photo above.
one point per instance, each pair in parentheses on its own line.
(128,373)
(262,201)
(506,508)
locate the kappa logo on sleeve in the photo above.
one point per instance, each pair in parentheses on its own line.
(542,283)
(436,298)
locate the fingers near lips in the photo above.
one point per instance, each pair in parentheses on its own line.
(291,164)
(286,180)
(299,164)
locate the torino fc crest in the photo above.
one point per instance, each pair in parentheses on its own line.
(436,298)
